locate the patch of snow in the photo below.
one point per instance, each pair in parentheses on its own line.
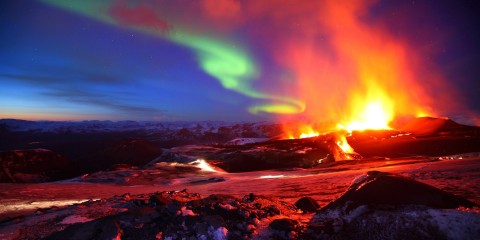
(456,224)
(188,212)
(39,204)
(303,151)
(219,233)
(227,206)
(356,213)
(203,165)
(243,141)
(271,176)
(460,156)
(111,126)
(75,219)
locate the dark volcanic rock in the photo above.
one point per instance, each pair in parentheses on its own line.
(284,228)
(35,165)
(184,215)
(401,223)
(424,136)
(132,151)
(429,126)
(104,228)
(386,206)
(283,224)
(179,215)
(307,204)
(386,189)
(304,153)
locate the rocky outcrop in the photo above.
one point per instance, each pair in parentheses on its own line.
(182,215)
(307,204)
(382,205)
(429,126)
(290,153)
(377,189)
(32,166)
(132,151)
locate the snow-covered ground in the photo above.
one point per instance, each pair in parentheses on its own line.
(459,175)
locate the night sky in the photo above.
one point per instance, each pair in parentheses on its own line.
(232,60)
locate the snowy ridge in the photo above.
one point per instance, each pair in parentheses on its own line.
(104,126)
(243,141)
(94,126)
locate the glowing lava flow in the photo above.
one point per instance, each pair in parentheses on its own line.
(309,134)
(304,131)
(202,164)
(342,151)
(343,144)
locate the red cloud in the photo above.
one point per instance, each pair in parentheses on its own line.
(140,16)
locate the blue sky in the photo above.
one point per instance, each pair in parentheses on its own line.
(61,65)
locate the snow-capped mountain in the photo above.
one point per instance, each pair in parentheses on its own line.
(92,126)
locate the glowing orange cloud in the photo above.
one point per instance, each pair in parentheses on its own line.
(348,70)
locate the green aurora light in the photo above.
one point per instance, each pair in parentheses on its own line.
(231,66)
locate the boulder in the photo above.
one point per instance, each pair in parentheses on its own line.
(307,204)
(387,189)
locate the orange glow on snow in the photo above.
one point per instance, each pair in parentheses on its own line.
(202,164)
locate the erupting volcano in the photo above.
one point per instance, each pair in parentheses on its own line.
(363,76)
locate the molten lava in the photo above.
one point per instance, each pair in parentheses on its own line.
(309,134)
(342,150)
(343,144)
(203,165)
(301,131)
(375,115)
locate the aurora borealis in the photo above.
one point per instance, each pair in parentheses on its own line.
(234,60)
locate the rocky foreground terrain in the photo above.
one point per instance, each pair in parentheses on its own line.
(376,205)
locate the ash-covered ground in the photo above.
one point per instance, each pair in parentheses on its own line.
(420,182)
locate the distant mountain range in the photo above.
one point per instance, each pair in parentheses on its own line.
(90,146)
(90,126)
